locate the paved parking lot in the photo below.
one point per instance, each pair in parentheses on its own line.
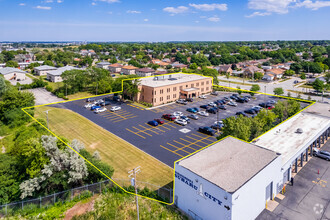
(309,197)
(167,142)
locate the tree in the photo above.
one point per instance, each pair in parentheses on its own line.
(289,94)
(12,63)
(193,66)
(239,91)
(289,72)
(278,91)
(48,63)
(255,88)
(131,88)
(258,76)
(318,85)
(302,76)
(239,127)
(3,86)
(296,67)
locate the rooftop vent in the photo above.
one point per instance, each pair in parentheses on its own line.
(299,131)
(172,79)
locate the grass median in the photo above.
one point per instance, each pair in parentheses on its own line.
(121,155)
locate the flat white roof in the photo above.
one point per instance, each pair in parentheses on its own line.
(284,138)
(230,163)
(172,80)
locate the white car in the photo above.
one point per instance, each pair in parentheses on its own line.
(202,97)
(89,105)
(181,122)
(115,108)
(177,114)
(218,122)
(203,113)
(232,104)
(257,107)
(212,104)
(98,110)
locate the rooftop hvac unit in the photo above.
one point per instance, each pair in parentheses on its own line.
(299,131)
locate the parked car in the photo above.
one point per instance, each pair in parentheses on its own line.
(257,110)
(232,104)
(321,153)
(195,117)
(113,75)
(203,113)
(204,106)
(104,103)
(217,126)
(197,109)
(181,122)
(169,117)
(214,93)
(271,102)
(90,100)
(89,105)
(177,114)
(222,107)
(241,113)
(250,111)
(212,104)
(189,99)
(153,123)
(271,107)
(99,110)
(206,130)
(95,107)
(182,101)
(213,110)
(234,97)
(185,118)
(265,105)
(159,121)
(202,97)
(240,100)
(192,110)
(115,108)
(116,98)
(245,99)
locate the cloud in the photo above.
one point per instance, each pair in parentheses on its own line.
(48,1)
(146,19)
(133,12)
(43,7)
(276,6)
(213,18)
(313,5)
(21,4)
(258,13)
(209,7)
(108,1)
(60,1)
(93,3)
(178,10)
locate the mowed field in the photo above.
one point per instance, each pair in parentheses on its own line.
(121,155)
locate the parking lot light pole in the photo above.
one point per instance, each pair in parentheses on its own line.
(47,119)
(132,173)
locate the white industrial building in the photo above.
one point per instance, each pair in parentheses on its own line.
(43,70)
(56,75)
(233,179)
(11,73)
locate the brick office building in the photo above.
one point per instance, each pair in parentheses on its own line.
(168,88)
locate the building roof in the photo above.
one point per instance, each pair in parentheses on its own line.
(224,68)
(285,139)
(146,70)
(229,163)
(276,71)
(116,65)
(60,70)
(129,67)
(45,67)
(103,63)
(172,79)
(8,70)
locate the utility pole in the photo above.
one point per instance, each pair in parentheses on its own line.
(47,119)
(132,175)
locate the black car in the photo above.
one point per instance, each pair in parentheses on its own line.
(206,130)
(212,110)
(250,111)
(220,102)
(189,99)
(265,105)
(246,99)
(240,100)
(204,106)
(222,107)
(217,126)
(257,110)
(104,103)
(226,98)
(214,93)
(234,97)
(241,113)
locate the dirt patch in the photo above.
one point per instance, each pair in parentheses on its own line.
(93,146)
(80,209)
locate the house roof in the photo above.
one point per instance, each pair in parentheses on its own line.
(103,63)
(276,71)
(229,163)
(224,68)
(59,71)
(45,67)
(253,69)
(146,70)
(129,67)
(116,65)
(8,70)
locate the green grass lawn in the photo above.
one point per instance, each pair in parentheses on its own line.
(234,82)
(118,153)
(79,95)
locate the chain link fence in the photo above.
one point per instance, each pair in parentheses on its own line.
(97,188)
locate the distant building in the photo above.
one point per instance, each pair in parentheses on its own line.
(128,70)
(13,74)
(277,73)
(145,72)
(178,65)
(250,70)
(225,69)
(55,75)
(43,70)
(24,58)
(103,65)
(115,68)
(268,77)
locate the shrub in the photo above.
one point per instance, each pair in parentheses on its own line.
(49,88)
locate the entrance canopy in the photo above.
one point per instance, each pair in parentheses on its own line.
(190,92)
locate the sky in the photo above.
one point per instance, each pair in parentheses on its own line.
(164,20)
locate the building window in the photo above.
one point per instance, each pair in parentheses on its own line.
(155,92)
(155,99)
(202,89)
(180,87)
(197,84)
(168,90)
(168,97)
(207,82)
(174,96)
(192,85)
(202,83)
(207,88)
(186,86)
(174,89)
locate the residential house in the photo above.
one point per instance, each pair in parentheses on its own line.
(250,70)
(103,65)
(237,72)
(24,58)
(43,70)
(178,65)
(159,62)
(115,68)
(225,69)
(277,73)
(145,72)
(13,74)
(268,77)
(128,70)
(55,75)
